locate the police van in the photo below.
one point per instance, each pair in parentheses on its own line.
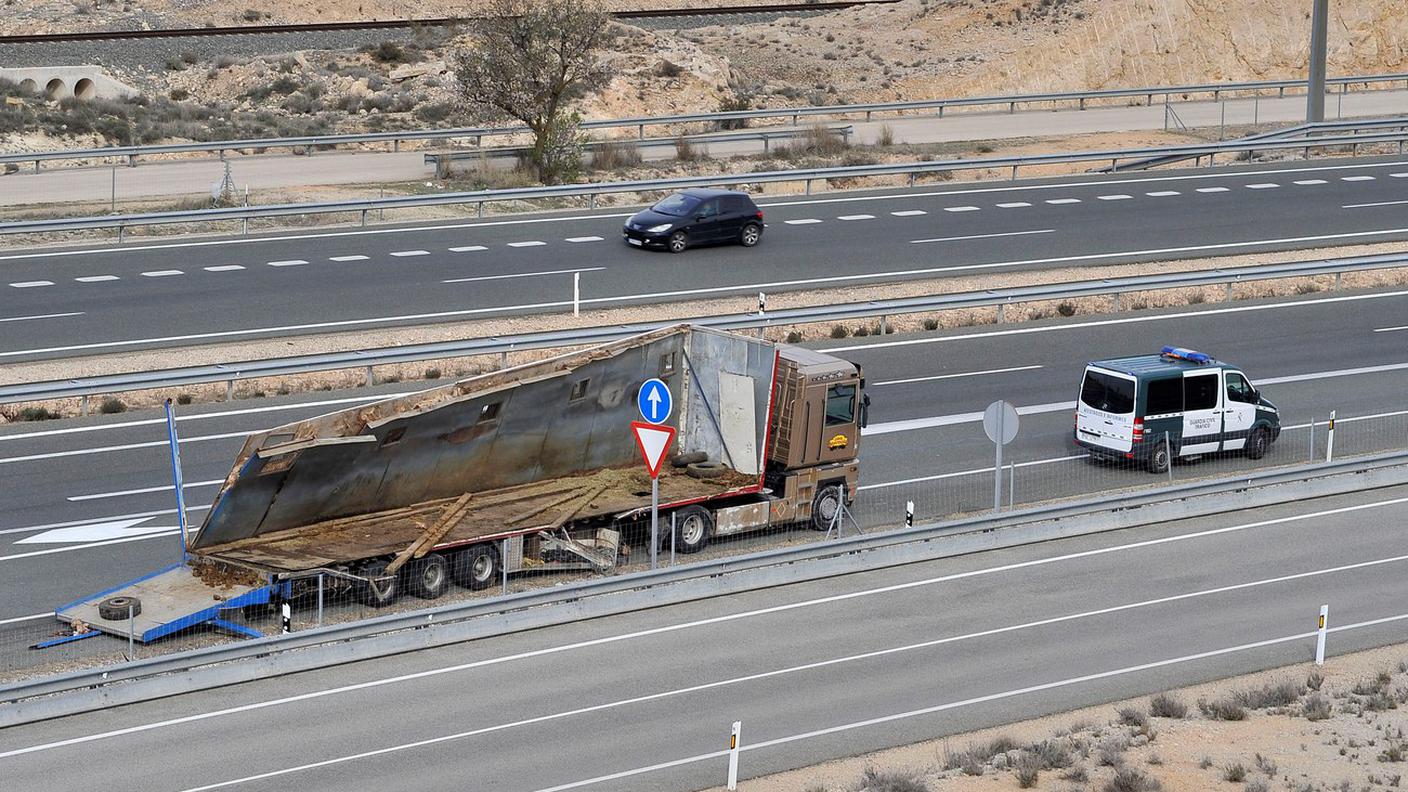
(1180,402)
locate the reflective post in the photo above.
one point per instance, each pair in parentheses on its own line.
(733,744)
(1320,631)
(1330,439)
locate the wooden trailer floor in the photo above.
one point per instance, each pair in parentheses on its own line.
(532,507)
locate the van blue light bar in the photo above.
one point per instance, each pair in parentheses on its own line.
(1179,353)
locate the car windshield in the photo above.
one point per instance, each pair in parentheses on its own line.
(677,205)
(1107,393)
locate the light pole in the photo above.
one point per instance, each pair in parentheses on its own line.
(1319,27)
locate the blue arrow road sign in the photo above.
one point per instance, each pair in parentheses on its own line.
(654,401)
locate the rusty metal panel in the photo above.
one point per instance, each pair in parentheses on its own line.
(737,519)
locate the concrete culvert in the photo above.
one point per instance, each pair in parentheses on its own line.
(55,89)
(29,86)
(84,89)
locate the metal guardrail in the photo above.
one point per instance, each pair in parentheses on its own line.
(1354,126)
(304,364)
(41,698)
(808,175)
(477,134)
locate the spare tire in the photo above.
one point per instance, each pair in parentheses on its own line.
(119,608)
(689,458)
(705,470)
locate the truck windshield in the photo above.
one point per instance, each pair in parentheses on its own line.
(1107,392)
(840,404)
(677,205)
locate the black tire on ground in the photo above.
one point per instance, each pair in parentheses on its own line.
(379,590)
(1257,443)
(693,527)
(116,608)
(1158,460)
(825,504)
(476,567)
(689,458)
(751,235)
(705,470)
(428,577)
(678,242)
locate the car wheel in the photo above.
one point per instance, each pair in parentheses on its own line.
(1257,444)
(678,242)
(1158,461)
(751,235)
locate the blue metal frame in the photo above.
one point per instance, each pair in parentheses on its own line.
(248,632)
(66,639)
(259,596)
(117,588)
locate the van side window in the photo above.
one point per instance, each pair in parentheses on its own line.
(1239,390)
(1165,396)
(840,404)
(1200,392)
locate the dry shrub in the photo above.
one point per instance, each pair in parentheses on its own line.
(1167,706)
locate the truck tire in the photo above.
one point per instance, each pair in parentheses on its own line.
(475,567)
(428,577)
(689,458)
(693,527)
(116,608)
(705,470)
(1257,444)
(382,592)
(825,505)
(1158,460)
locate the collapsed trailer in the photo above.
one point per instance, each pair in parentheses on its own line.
(533,467)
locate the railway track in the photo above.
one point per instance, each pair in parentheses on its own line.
(398,24)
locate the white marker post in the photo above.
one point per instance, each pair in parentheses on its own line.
(909,514)
(1320,635)
(733,745)
(576,294)
(286,611)
(1330,439)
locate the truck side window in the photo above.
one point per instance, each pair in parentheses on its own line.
(1239,390)
(840,404)
(1200,392)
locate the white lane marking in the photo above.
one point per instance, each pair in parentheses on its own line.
(803,221)
(408,253)
(107,449)
(523,275)
(530,243)
(1375,203)
(40,316)
(935,421)
(830,730)
(1212,189)
(89,545)
(909,213)
(1356,178)
(1263,186)
(1109,322)
(965,473)
(954,376)
(982,236)
(584,239)
(1059,201)
(1013,205)
(961,209)
(90,521)
(856,217)
(49,615)
(291,262)
(144,490)
(1309,182)
(162,273)
(736,616)
(1319,375)
(1390,329)
(348,258)
(744,287)
(31,284)
(224,268)
(96,532)
(467,248)
(1399,175)
(97,278)
(1162,193)
(1115,197)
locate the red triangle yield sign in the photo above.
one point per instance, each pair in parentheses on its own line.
(654,443)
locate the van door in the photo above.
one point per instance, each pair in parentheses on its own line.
(1202,412)
(1105,411)
(1238,412)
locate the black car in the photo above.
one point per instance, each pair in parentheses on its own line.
(696,217)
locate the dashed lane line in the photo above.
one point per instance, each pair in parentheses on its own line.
(291,263)
(909,213)
(410,253)
(348,258)
(961,209)
(1163,193)
(1062,201)
(467,248)
(97,278)
(1263,186)
(224,268)
(39,316)
(1013,205)
(1375,203)
(1309,182)
(856,217)
(31,284)
(1212,189)
(162,273)
(1356,178)
(803,221)
(1115,197)
(584,239)
(530,243)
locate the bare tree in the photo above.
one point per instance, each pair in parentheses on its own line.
(530,60)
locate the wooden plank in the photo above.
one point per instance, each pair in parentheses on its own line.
(433,534)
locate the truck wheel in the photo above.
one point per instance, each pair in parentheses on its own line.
(825,506)
(705,470)
(1258,443)
(116,608)
(1158,461)
(379,590)
(476,567)
(693,527)
(428,577)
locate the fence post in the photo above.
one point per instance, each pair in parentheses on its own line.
(1330,439)
(1320,635)
(1168,451)
(733,744)
(1012,484)
(1311,454)
(672,538)
(503,567)
(320,599)
(131,632)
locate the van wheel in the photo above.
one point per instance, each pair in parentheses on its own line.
(678,242)
(428,577)
(1158,461)
(693,527)
(477,567)
(1258,443)
(379,590)
(750,236)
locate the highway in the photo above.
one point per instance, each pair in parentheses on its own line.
(817,670)
(89,503)
(88,300)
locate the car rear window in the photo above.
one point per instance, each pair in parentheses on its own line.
(678,205)
(1107,392)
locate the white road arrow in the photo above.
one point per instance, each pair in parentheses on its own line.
(99,531)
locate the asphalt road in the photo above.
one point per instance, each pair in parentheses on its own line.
(88,501)
(59,303)
(814,671)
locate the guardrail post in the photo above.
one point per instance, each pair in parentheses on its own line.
(1000,306)
(867,115)
(911,179)
(1117,302)
(1014,173)
(591,201)
(640,132)
(395,145)
(36,166)
(229,390)
(371,380)
(1082,103)
(83,405)
(941,111)
(364,218)
(480,211)
(121,233)
(131,160)
(1336,287)
(1011,107)
(884,324)
(809,186)
(1229,291)
(1282,94)
(131,633)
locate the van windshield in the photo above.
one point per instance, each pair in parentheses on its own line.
(1107,392)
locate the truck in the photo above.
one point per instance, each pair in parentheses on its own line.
(528,468)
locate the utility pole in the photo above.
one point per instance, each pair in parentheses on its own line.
(1319,27)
